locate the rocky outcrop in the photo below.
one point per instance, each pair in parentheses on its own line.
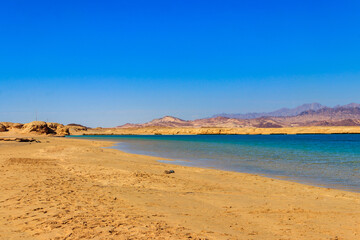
(62,131)
(7,125)
(17,126)
(2,128)
(76,128)
(10,125)
(54,126)
(40,127)
(37,127)
(19,140)
(59,129)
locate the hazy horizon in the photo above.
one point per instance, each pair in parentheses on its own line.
(107,64)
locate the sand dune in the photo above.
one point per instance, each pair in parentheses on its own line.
(74,189)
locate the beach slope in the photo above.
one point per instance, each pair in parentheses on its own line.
(59,188)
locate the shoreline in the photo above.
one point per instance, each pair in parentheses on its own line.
(79,188)
(174,161)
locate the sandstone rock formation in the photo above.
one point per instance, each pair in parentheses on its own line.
(76,128)
(54,126)
(17,126)
(2,128)
(10,125)
(7,125)
(40,127)
(58,128)
(37,127)
(62,131)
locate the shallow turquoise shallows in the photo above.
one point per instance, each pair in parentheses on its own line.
(323,160)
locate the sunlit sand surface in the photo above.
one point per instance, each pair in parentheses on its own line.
(75,189)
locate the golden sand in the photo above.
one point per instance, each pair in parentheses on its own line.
(75,189)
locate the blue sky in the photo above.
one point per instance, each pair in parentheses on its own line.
(105,63)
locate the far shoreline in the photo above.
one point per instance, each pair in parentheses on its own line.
(219,131)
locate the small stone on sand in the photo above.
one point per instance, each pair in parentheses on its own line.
(169,171)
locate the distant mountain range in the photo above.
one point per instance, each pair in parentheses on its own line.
(313,114)
(172,122)
(283,112)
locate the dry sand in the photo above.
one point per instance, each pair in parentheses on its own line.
(74,189)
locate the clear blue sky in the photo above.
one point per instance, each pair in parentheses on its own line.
(105,63)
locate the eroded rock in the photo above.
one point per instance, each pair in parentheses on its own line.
(62,131)
(169,171)
(2,128)
(37,127)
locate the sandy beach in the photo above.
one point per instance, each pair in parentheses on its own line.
(76,189)
(252,107)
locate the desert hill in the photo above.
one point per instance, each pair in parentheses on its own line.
(313,115)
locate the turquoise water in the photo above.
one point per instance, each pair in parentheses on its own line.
(322,160)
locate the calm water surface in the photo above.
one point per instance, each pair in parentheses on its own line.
(323,160)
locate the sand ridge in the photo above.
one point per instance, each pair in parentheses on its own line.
(76,189)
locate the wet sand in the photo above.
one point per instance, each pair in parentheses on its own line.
(76,189)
